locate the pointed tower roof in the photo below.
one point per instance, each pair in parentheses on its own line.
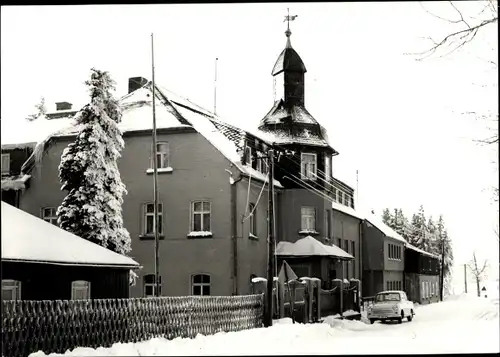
(288,121)
(289,59)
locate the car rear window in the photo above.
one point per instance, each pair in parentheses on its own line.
(388,297)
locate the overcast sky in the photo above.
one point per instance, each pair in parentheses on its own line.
(394,119)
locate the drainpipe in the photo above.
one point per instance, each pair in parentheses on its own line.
(234,230)
(360,247)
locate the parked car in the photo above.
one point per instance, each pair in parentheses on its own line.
(391,305)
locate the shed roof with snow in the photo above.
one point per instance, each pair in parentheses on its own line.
(29,239)
(308,247)
(421,251)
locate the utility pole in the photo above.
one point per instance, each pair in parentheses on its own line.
(441,284)
(155,179)
(268,319)
(465,277)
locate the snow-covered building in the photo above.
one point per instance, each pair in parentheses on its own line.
(43,262)
(422,275)
(304,167)
(212,223)
(383,257)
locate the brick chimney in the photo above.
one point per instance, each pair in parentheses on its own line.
(135,83)
(63,106)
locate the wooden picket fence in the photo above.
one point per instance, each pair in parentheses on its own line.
(54,326)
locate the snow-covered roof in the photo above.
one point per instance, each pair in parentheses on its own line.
(381,226)
(421,251)
(172,111)
(27,238)
(309,246)
(14,182)
(347,210)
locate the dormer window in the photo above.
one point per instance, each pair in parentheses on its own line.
(308,166)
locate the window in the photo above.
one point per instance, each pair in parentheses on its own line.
(339,243)
(150,285)
(265,171)
(200,216)
(346,245)
(252,220)
(11,289)
(328,167)
(49,214)
(352,202)
(149,214)
(308,166)
(80,290)
(200,284)
(389,285)
(341,197)
(334,194)
(162,155)
(5,163)
(327,223)
(248,155)
(308,218)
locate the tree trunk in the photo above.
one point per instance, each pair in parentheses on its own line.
(478,290)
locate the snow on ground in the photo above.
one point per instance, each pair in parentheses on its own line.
(461,324)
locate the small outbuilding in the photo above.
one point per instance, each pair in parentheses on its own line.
(41,261)
(308,257)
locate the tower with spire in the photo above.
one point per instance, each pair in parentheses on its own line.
(290,125)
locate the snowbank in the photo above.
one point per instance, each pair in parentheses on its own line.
(458,325)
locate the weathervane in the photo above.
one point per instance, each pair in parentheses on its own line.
(289,18)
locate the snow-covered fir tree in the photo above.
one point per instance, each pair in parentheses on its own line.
(40,109)
(418,232)
(387,218)
(401,224)
(445,248)
(429,245)
(89,172)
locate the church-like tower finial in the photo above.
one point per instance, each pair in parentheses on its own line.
(288,18)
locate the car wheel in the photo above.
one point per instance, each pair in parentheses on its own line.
(400,320)
(410,316)
(372,321)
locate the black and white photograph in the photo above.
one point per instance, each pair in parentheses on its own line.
(250,179)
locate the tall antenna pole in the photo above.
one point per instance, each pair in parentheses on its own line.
(268,319)
(155,178)
(215,87)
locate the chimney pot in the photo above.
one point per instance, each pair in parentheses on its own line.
(135,83)
(63,106)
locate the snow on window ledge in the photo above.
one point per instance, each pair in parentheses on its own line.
(308,231)
(160,171)
(252,236)
(200,234)
(150,237)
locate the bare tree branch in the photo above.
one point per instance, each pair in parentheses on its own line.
(460,13)
(461,37)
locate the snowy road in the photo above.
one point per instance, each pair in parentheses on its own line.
(462,324)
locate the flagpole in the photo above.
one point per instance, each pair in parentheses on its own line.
(155,178)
